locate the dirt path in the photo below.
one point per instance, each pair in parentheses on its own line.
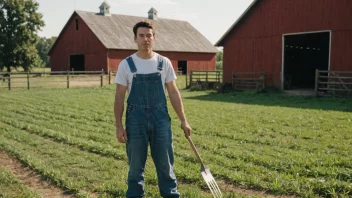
(30,178)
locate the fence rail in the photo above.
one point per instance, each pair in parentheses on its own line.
(248,80)
(333,83)
(204,77)
(10,80)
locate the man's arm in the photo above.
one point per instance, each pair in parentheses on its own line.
(176,101)
(118,111)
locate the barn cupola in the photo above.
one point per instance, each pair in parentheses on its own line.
(105,9)
(153,14)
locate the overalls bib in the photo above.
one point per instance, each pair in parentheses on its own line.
(148,121)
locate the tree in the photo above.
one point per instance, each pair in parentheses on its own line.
(219,65)
(43,47)
(19,23)
(219,56)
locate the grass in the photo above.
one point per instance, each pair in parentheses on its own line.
(284,145)
(11,187)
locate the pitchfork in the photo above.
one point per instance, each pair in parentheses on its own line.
(206,174)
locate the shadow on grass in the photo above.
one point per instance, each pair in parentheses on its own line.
(278,99)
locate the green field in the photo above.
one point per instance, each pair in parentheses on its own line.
(273,143)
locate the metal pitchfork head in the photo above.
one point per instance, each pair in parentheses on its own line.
(206,174)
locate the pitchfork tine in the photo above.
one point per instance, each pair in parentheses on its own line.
(212,188)
(216,188)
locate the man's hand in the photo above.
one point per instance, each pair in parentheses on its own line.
(121,134)
(186,128)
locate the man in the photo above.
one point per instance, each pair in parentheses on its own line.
(145,75)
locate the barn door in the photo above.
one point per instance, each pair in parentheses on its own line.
(77,62)
(303,54)
(182,67)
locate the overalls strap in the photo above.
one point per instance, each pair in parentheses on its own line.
(160,63)
(131,64)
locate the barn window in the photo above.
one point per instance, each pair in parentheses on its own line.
(77,25)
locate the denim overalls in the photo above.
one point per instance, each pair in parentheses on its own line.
(148,121)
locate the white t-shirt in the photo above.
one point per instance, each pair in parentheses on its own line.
(124,76)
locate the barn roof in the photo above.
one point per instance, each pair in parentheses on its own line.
(244,14)
(115,32)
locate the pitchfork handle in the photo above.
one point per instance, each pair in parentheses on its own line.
(195,150)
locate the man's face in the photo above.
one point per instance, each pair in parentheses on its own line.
(144,38)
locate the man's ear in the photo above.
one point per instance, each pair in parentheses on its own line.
(134,38)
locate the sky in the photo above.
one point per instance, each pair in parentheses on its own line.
(212,18)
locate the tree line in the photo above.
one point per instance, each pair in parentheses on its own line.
(20,45)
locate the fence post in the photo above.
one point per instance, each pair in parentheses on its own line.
(264,79)
(232,80)
(190,79)
(206,77)
(110,77)
(101,78)
(27,79)
(218,76)
(186,80)
(68,79)
(316,82)
(9,81)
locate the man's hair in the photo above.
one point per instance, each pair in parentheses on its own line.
(143,23)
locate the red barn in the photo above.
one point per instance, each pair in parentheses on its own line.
(95,41)
(289,40)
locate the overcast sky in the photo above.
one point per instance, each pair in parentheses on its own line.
(211,18)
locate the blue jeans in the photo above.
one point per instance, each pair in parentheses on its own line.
(150,125)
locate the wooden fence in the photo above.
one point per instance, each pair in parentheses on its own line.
(248,80)
(337,83)
(204,77)
(10,80)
